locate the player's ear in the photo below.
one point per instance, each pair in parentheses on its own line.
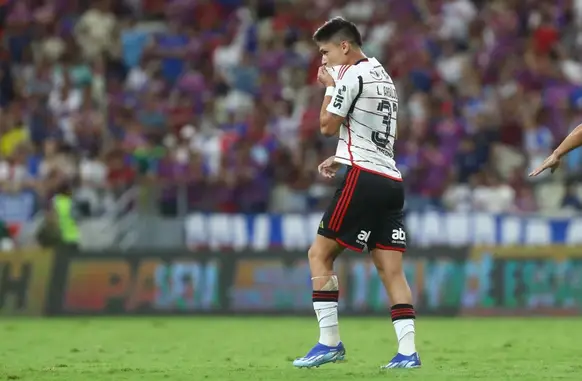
(345,46)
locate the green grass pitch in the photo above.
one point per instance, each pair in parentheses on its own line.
(224,349)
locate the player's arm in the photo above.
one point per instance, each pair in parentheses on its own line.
(336,103)
(329,123)
(570,143)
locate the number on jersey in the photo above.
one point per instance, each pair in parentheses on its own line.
(382,138)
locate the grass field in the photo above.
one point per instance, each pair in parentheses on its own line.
(241,349)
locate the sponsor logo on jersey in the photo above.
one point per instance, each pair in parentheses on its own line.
(339,99)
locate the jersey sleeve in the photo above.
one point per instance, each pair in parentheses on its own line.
(346,92)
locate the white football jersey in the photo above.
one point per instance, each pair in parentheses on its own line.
(366,96)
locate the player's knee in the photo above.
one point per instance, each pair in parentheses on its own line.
(313,254)
(393,271)
(388,265)
(317,254)
(391,274)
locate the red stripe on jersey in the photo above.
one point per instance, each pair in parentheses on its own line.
(339,205)
(343,71)
(348,199)
(349,141)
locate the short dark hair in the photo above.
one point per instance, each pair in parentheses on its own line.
(338,27)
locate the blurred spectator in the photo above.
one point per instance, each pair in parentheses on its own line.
(491,195)
(96,31)
(571,200)
(538,140)
(458,196)
(6,239)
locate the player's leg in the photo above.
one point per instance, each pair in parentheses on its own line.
(334,234)
(388,262)
(329,347)
(322,255)
(387,244)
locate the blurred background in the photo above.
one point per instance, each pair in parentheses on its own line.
(185,128)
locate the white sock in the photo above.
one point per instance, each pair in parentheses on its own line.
(327,317)
(405,334)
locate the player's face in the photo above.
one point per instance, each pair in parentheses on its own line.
(334,53)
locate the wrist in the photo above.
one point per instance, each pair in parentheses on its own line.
(329,91)
(558,154)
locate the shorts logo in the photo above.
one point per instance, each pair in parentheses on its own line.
(363,237)
(321,226)
(398,236)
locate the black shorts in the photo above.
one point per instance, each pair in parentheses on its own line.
(366,211)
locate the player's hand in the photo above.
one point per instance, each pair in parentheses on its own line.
(328,168)
(552,162)
(324,77)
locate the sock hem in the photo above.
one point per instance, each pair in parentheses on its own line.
(402,312)
(325,296)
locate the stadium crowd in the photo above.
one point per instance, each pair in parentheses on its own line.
(219,99)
